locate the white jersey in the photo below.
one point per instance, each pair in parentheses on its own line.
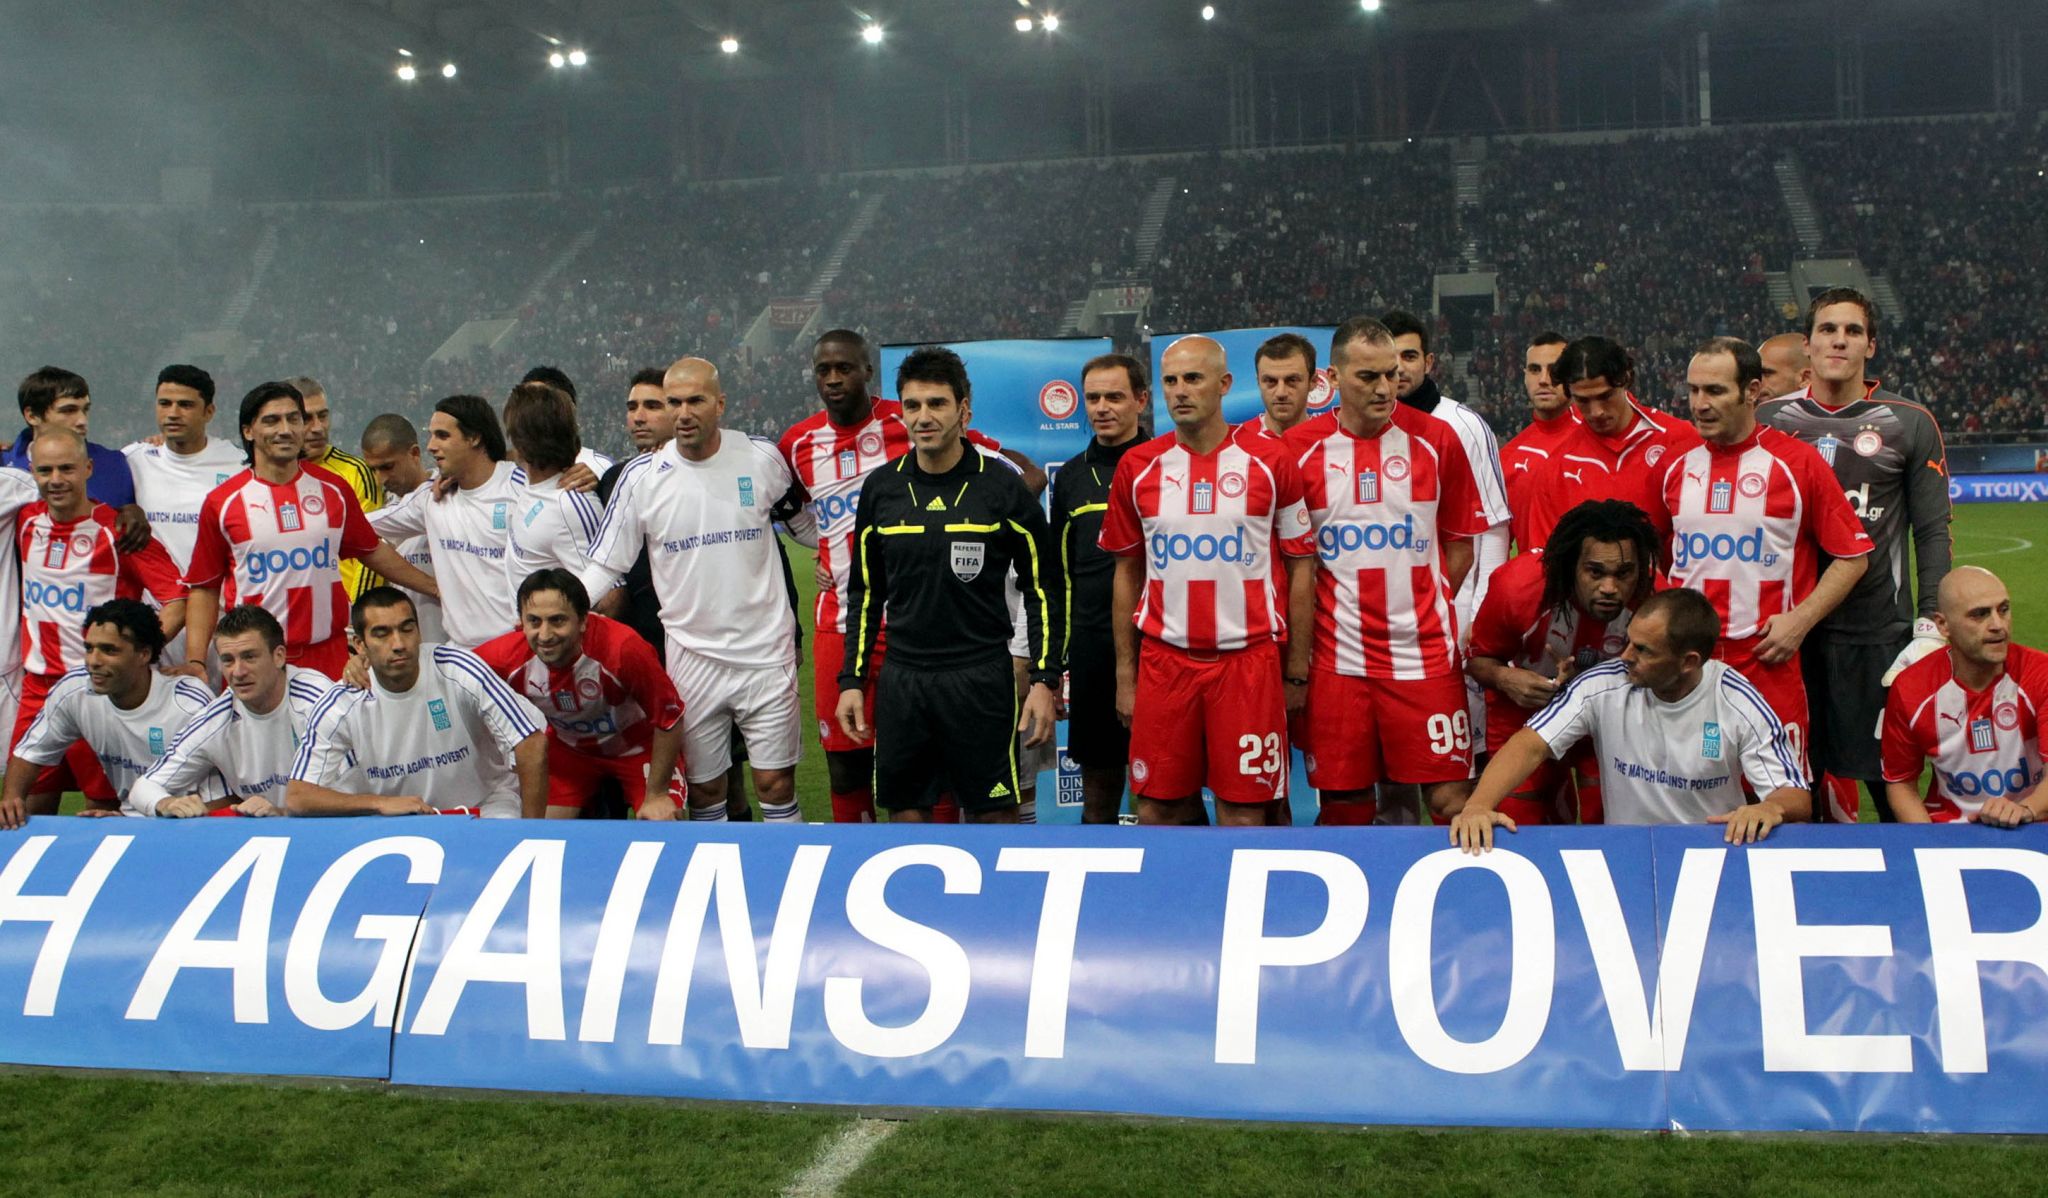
(229,750)
(1490,548)
(710,544)
(448,740)
(1672,763)
(127,743)
(415,551)
(170,487)
(553,529)
(17,491)
(467,534)
(586,456)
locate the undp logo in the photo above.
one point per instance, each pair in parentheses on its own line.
(263,564)
(1339,537)
(1180,547)
(55,598)
(1058,400)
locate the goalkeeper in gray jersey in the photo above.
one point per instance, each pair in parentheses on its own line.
(1889,456)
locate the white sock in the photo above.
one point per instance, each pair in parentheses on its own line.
(708,815)
(781,813)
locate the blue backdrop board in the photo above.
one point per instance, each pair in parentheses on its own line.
(1998,488)
(1027,394)
(1242,402)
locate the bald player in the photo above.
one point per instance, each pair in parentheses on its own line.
(1786,368)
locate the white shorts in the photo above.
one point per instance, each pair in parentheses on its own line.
(759,700)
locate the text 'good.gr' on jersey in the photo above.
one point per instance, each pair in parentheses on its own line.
(280,546)
(1983,744)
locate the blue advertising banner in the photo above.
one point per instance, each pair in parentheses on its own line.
(1027,394)
(1242,402)
(1998,488)
(1830,979)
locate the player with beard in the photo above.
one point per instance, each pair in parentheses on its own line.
(1285,366)
(317,447)
(1616,450)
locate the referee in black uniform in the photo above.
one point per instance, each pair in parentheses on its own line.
(1116,395)
(936,535)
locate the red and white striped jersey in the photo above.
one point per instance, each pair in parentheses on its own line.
(1587,466)
(69,567)
(1984,744)
(1380,507)
(1746,525)
(1513,626)
(606,703)
(280,546)
(1524,460)
(830,462)
(1205,524)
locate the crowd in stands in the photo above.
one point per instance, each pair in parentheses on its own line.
(1656,240)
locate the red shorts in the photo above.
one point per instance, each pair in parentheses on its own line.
(1563,792)
(1783,686)
(574,776)
(828,657)
(1218,721)
(329,657)
(80,767)
(1368,730)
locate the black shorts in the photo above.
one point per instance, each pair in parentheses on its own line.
(1096,739)
(946,731)
(1845,695)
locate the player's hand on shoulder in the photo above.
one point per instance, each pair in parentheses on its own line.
(579,477)
(1472,829)
(356,674)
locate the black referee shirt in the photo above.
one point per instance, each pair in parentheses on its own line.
(934,551)
(1080,497)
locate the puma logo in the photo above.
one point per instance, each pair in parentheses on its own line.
(1953,719)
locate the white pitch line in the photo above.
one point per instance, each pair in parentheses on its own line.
(2019,545)
(839,1159)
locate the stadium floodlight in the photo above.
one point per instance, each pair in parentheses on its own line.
(1023,24)
(557,61)
(578,58)
(447,70)
(871,33)
(1051,23)
(1208,12)
(406,73)
(1369,5)
(404,53)
(731,45)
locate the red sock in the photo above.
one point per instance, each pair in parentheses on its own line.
(945,811)
(853,806)
(1439,819)
(1356,813)
(1523,811)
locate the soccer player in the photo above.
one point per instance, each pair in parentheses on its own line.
(703,508)
(173,478)
(55,396)
(1285,365)
(1192,515)
(1116,395)
(650,423)
(936,536)
(237,752)
(611,710)
(594,464)
(1419,391)
(434,731)
(553,527)
(1528,453)
(275,534)
(391,445)
(1888,457)
(1677,734)
(1787,369)
(1751,513)
(1549,614)
(71,562)
(1615,451)
(1394,509)
(119,705)
(1972,708)
(317,448)
(467,530)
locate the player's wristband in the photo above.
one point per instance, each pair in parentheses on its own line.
(1925,628)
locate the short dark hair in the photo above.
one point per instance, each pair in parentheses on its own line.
(1749,365)
(46,386)
(1842,295)
(1609,521)
(844,337)
(647,376)
(1548,337)
(1594,358)
(259,395)
(935,364)
(1358,328)
(378,596)
(555,579)
(1690,621)
(247,617)
(1286,345)
(1400,322)
(540,420)
(390,431)
(136,620)
(1134,370)
(553,376)
(181,375)
(473,415)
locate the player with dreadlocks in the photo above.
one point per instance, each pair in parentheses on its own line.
(1549,615)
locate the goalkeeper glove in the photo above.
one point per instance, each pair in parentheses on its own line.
(1926,639)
